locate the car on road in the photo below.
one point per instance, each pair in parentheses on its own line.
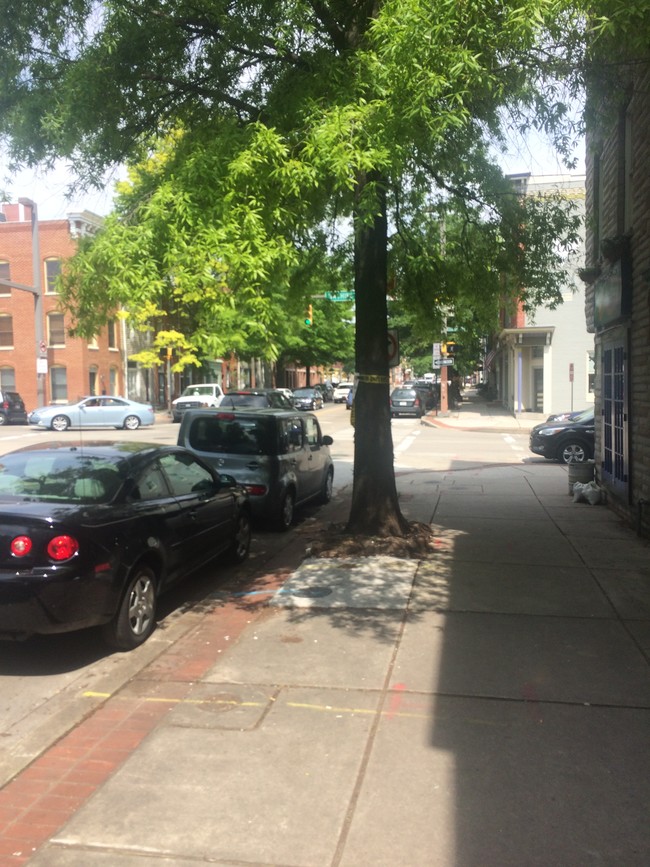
(341,391)
(307,398)
(104,411)
(326,389)
(261,398)
(569,441)
(200,394)
(570,415)
(12,408)
(407,401)
(281,457)
(93,532)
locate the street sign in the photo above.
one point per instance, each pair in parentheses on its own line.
(443,362)
(345,295)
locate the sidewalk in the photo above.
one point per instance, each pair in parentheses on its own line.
(490,706)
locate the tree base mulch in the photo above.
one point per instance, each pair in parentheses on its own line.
(334,541)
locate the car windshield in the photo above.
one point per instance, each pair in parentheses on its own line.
(232,434)
(235,400)
(586,415)
(197,390)
(50,476)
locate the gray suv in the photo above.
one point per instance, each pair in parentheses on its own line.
(280,456)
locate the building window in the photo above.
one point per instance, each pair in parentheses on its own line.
(92,381)
(112,380)
(92,343)
(591,372)
(6,332)
(55,329)
(112,344)
(52,271)
(59,384)
(7,378)
(5,274)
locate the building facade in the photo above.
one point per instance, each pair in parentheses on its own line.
(543,361)
(617,276)
(38,357)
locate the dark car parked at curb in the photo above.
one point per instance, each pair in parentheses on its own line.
(92,532)
(280,457)
(308,398)
(256,398)
(12,408)
(408,401)
(569,441)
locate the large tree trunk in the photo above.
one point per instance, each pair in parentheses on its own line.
(375,508)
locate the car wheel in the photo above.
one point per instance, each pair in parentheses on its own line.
(60,422)
(242,541)
(3,418)
(574,452)
(328,484)
(285,518)
(136,617)
(131,422)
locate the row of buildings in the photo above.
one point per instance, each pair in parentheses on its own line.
(41,360)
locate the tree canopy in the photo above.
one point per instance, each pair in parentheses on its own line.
(259,129)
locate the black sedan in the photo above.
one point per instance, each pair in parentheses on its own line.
(567,441)
(307,398)
(407,401)
(91,533)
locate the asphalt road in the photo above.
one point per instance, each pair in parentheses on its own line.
(47,682)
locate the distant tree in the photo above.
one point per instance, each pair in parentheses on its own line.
(288,117)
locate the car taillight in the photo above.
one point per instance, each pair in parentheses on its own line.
(256,490)
(417,401)
(5,404)
(21,546)
(62,547)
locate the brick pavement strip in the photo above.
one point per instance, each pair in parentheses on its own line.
(39,801)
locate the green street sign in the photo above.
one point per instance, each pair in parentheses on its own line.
(347,295)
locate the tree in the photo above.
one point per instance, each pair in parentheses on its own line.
(288,116)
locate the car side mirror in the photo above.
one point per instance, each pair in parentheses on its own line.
(327,440)
(227,481)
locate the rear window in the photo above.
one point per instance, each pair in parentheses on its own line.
(235,400)
(404,394)
(234,435)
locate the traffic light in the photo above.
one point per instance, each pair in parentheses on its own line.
(309,317)
(452,348)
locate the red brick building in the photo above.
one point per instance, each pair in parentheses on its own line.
(617,274)
(50,366)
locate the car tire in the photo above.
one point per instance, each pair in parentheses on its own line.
(60,423)
(328,484)
(131,422)
(574,452)
(136,617)
(3,418)
(287,507)
(240,547)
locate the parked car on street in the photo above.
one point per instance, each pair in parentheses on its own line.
(307,398)
(281,457)
(93,532)
(341,391)
(12,408)
(407,401)
(195,396)
(566,441)
(257,398)
(570,415)
(326,389)
(89,412)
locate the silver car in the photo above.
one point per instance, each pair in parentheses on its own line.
(104,411)
(280,456)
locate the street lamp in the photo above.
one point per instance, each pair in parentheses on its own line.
(37,292)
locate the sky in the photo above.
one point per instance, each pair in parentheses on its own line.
(48,189)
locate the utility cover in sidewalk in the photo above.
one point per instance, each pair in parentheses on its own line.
(363,582)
